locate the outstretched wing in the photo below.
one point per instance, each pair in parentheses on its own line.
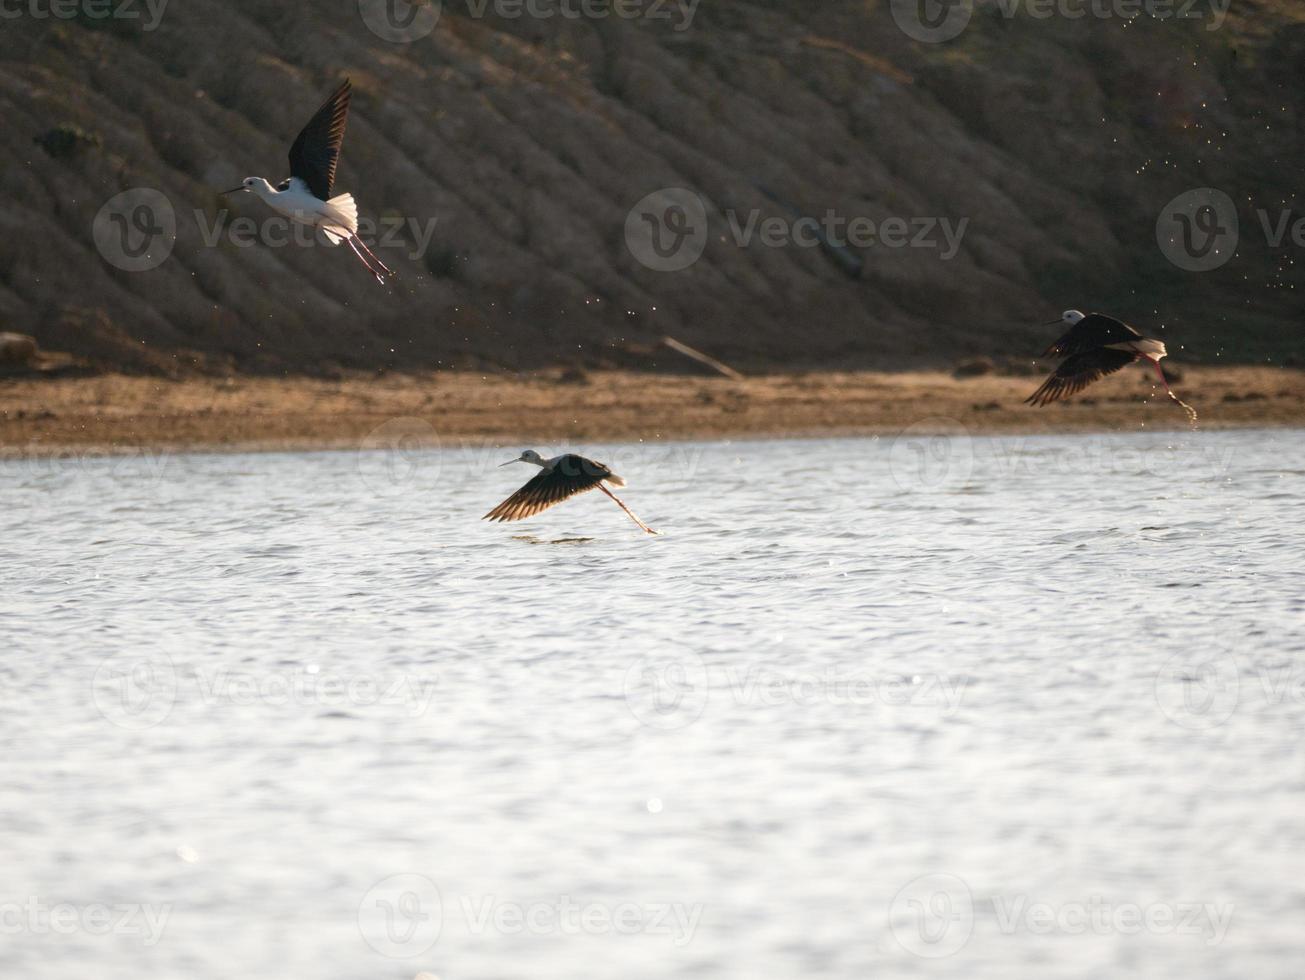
(570,476)
(316,150)
(1093,331)
(1079,371)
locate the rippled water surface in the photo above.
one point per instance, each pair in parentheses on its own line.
(965,707)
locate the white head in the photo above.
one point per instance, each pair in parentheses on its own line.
(527,456)
(256,185)
(1069,316)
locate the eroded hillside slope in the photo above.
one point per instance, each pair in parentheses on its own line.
(528,140)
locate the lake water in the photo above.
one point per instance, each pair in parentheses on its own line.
(917,706)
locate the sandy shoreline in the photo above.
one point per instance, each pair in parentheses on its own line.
(121,413)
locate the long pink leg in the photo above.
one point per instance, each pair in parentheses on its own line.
(626,509)
(363,259)
(1191,412)
(373,256)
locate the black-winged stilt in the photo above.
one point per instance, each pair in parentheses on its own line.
(1096,345)
(562,478)
(305,197)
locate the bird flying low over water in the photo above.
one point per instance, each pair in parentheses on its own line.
(1094,346)
(563,477)
(305,196)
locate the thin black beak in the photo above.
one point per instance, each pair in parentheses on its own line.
(233,190)
(1050,322)
(510,462)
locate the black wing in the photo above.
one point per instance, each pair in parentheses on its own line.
(1079,371)
(1093,331)
(572,475)
(317,149)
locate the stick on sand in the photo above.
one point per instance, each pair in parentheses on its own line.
(702,358)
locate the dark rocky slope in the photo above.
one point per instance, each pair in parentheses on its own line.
(528,140)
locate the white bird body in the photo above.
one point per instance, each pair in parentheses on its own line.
(1154,349)
(337,218)
(305,196)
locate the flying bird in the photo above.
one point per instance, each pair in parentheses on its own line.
(305,196)
(563,477)
(1094,346)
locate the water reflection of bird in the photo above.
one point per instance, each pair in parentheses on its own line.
(563,477)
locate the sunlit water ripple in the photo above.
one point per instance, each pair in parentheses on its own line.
(864,709)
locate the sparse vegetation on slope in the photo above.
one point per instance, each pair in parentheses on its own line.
(527,141)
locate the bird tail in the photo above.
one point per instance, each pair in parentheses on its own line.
(342,219)
(1151,348)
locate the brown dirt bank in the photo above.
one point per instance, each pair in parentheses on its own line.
(120,413)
